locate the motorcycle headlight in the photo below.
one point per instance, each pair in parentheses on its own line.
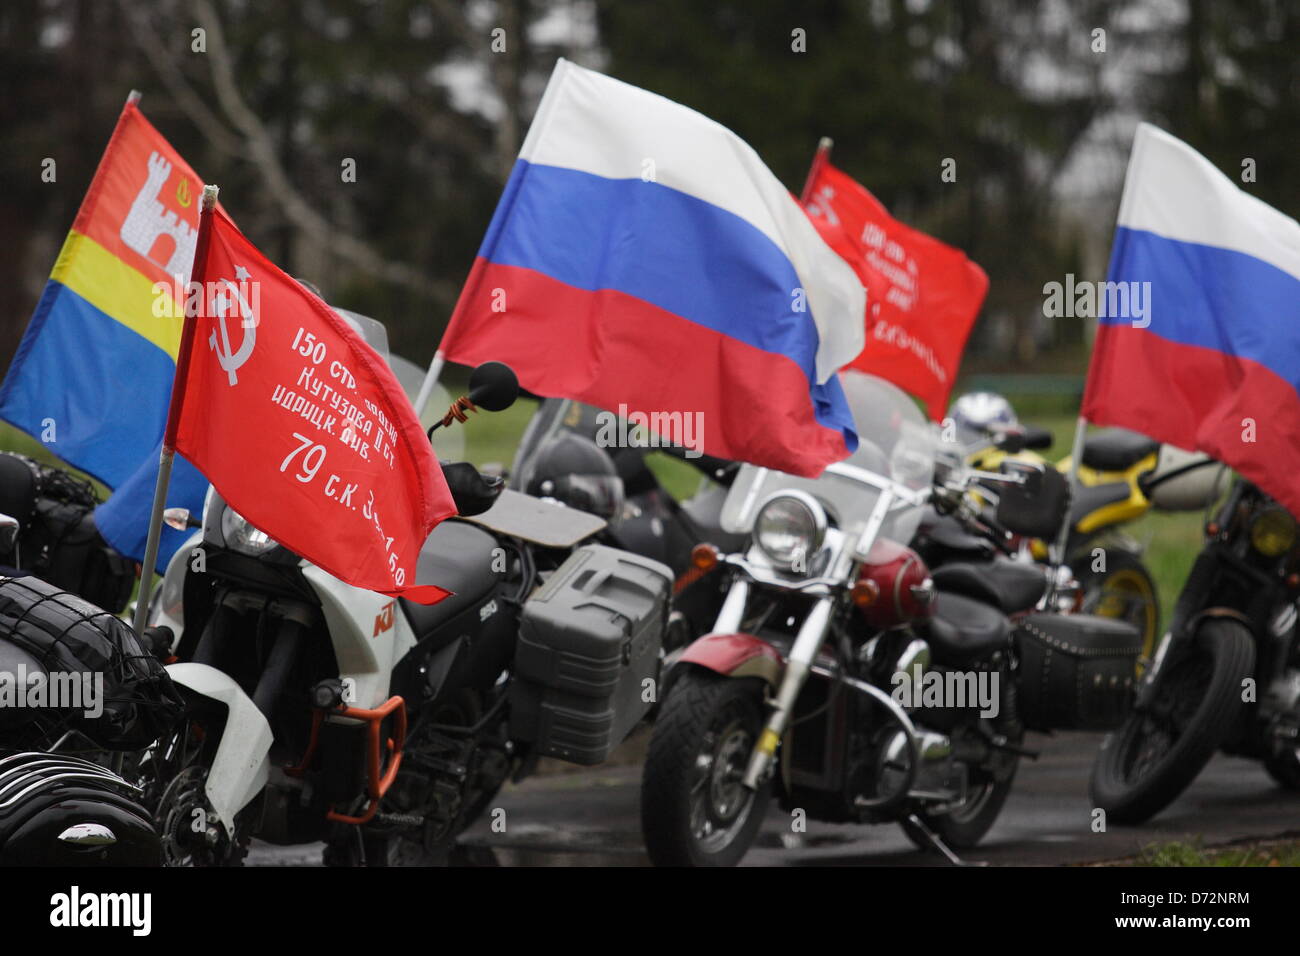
(1272,533)
(789,529)
(243,537)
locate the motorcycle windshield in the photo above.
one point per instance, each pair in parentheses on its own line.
(896,449)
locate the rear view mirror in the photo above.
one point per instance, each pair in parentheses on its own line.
(493,386)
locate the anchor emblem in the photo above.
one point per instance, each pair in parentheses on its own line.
(221,306)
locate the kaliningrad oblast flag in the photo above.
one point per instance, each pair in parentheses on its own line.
(644,256)
(93,372)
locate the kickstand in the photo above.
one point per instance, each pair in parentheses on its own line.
(918,827)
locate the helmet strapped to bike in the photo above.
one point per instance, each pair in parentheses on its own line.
(575,471)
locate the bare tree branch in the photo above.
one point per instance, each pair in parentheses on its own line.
(151,45)
(301,213)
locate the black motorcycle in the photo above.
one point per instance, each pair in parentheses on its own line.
(76,687)
(1226,675)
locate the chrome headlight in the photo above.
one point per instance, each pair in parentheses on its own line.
(789,529)
(243,537)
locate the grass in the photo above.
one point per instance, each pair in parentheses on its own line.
(1284,852)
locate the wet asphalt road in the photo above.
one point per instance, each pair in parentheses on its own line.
(590,818)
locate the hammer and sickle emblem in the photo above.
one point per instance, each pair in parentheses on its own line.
(230,360)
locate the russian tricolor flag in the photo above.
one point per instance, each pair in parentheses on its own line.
(642,255)
(1215,362)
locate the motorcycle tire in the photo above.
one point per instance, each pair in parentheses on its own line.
(705,718)
(1125,590)
(1284,768)
(1211,705)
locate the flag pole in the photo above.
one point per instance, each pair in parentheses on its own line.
(1076,452)
(818,161)
(168,454)
(430,380)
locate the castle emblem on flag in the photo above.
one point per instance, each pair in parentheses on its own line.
(148,219)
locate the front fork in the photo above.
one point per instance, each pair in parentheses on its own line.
(812,634)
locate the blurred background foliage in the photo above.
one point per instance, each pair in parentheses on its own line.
(1037,119)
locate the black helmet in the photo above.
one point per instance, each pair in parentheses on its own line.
(575,471)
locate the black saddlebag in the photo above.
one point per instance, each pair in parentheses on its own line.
(74,640)
(589,641)
(1076,671)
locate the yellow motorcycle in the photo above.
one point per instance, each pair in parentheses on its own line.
(1122,476)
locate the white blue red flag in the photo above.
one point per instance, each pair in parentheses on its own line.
(1211,359)
(643,256)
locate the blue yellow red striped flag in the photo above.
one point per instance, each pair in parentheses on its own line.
(93,373)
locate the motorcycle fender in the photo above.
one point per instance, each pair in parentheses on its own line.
(736,655)
(240,768)
(1230,613)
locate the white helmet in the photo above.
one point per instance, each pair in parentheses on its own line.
(980,414)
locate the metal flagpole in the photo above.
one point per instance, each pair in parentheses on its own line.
(1076,452)
(197,271)
(819,160)
(430,380)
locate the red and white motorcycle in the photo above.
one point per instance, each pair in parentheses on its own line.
(839,679)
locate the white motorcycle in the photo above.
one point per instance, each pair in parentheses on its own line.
(319,711)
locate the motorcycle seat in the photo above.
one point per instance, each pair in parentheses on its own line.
(456,556)
(1091,498)
(963,631)
(1117,449)
(14,661)
(946,534)
(1008,585)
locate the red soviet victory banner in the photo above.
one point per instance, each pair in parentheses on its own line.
(922,295)
(299,424)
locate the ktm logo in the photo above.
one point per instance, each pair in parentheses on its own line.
(384,620)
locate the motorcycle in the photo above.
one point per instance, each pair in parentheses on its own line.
(61,803)
(1122,476)
(812,687)
(1226,675)
(322,712)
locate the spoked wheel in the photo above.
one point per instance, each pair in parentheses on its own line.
(1124,591)
(695,808)
(1157,753)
